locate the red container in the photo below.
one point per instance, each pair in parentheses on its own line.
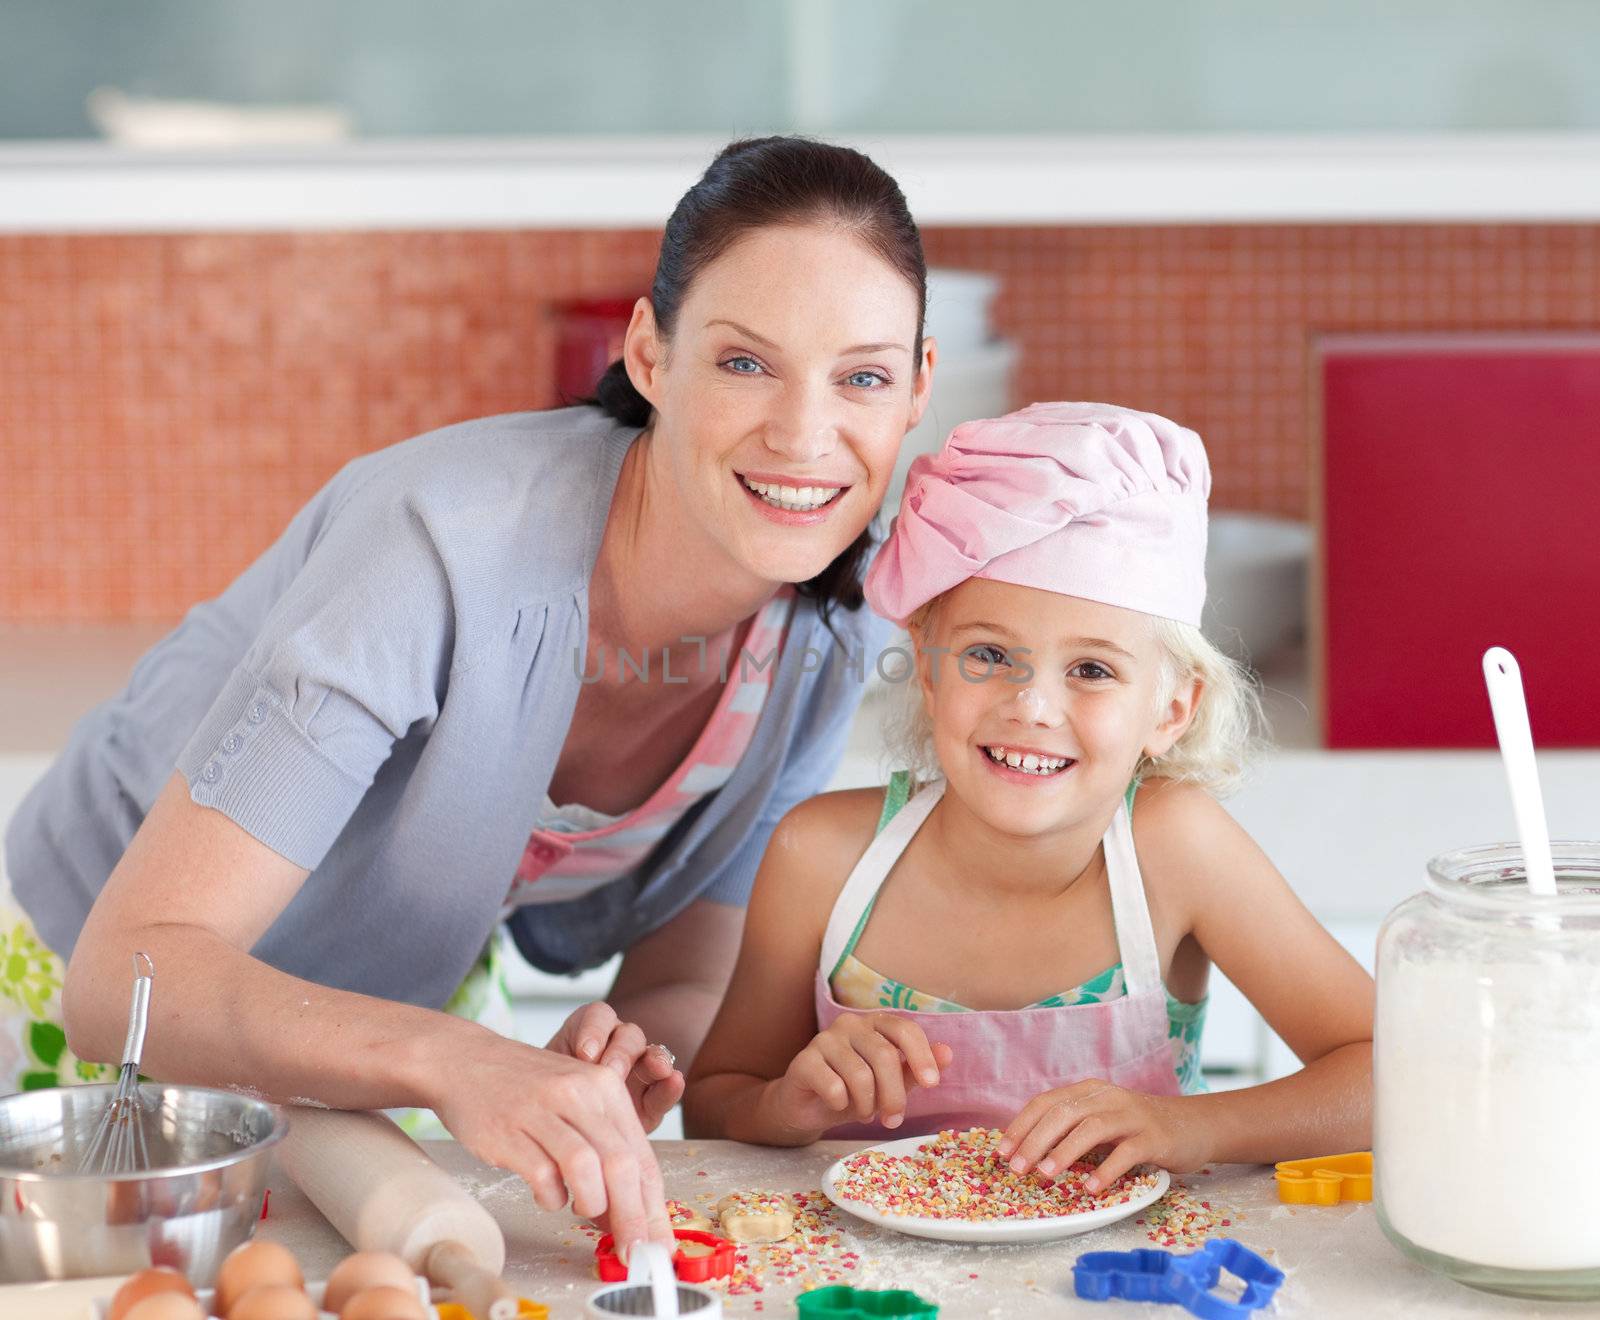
(589,337)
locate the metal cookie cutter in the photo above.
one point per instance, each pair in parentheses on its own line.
(1326,1180)
(844,1303)
(715,1263)
(651,1290)
(1181,1280)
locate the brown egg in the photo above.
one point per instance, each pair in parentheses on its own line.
(166,1306)
(277,1301)
(253,1265)
(146,1283)
(384,1304)
(366,1269)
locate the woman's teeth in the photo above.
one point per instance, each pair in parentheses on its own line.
(793,498)
(1030,763)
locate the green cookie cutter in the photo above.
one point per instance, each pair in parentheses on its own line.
(843,1303)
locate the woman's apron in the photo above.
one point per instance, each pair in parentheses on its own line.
(1004,1058)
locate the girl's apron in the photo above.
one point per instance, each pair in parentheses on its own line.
(1004,1058)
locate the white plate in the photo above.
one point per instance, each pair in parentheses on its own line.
(988,1230)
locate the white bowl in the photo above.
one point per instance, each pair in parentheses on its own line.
(1256,572)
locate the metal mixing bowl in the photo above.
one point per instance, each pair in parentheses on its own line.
(200,1197)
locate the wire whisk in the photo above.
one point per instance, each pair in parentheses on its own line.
(118,1144)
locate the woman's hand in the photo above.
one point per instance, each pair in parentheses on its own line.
(859,1068)
(1062,1126)
(568,1127)
(594,1033)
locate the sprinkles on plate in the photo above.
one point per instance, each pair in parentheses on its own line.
(960,1175)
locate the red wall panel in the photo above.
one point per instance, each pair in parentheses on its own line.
(1461,510)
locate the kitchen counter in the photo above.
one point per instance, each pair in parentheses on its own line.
(1338,1261)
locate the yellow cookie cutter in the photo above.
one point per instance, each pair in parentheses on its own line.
(1326,1180)
(526,1310)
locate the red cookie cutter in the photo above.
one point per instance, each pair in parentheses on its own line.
(717,1264)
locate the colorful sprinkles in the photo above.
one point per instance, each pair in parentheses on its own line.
(960,1175)
(1182,1219)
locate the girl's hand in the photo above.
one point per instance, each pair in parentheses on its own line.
(567,1127)
(595,1034)
(1062,1126)
(861,1067)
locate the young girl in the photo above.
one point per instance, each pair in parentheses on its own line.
(906,951)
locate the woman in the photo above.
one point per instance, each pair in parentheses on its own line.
(516,611)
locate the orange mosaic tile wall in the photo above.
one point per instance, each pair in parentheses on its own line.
(166,402)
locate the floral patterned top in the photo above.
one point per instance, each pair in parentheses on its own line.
(855,985)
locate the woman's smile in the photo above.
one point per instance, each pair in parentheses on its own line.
(788,502)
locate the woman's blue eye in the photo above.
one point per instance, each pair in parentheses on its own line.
(743,366)
(867,380)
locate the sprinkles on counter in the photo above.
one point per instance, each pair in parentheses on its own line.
(1181,1219)
(813,1255)
(960,1175)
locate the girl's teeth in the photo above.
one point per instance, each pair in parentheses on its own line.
(1030,763)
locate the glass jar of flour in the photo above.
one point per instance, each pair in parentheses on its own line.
(1486,1126)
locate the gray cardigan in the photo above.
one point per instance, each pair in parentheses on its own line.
(381,698)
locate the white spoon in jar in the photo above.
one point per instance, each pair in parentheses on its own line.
(1510,709)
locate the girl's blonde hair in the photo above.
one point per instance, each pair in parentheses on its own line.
(1215,751)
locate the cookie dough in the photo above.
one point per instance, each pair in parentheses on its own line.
(756,1217)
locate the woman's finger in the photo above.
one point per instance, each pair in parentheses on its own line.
(657,1063)
(622,1051)
(587,1031)
(576,1158)
(632,1176)
(539,1171)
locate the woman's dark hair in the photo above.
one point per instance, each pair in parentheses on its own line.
(751,185)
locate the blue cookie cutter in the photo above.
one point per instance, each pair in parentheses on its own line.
(1181,1280)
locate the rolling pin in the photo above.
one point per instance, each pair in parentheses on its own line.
(377,1187)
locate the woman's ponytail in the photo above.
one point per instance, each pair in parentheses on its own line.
(615,396)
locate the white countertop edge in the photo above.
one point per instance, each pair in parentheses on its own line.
(533,183)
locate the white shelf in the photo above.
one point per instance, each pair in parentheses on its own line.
(493,183)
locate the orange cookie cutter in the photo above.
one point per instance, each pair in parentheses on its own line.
(716,1264)
(526,1310)
(1326,1180)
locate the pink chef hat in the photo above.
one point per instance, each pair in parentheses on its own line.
(1085,499)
